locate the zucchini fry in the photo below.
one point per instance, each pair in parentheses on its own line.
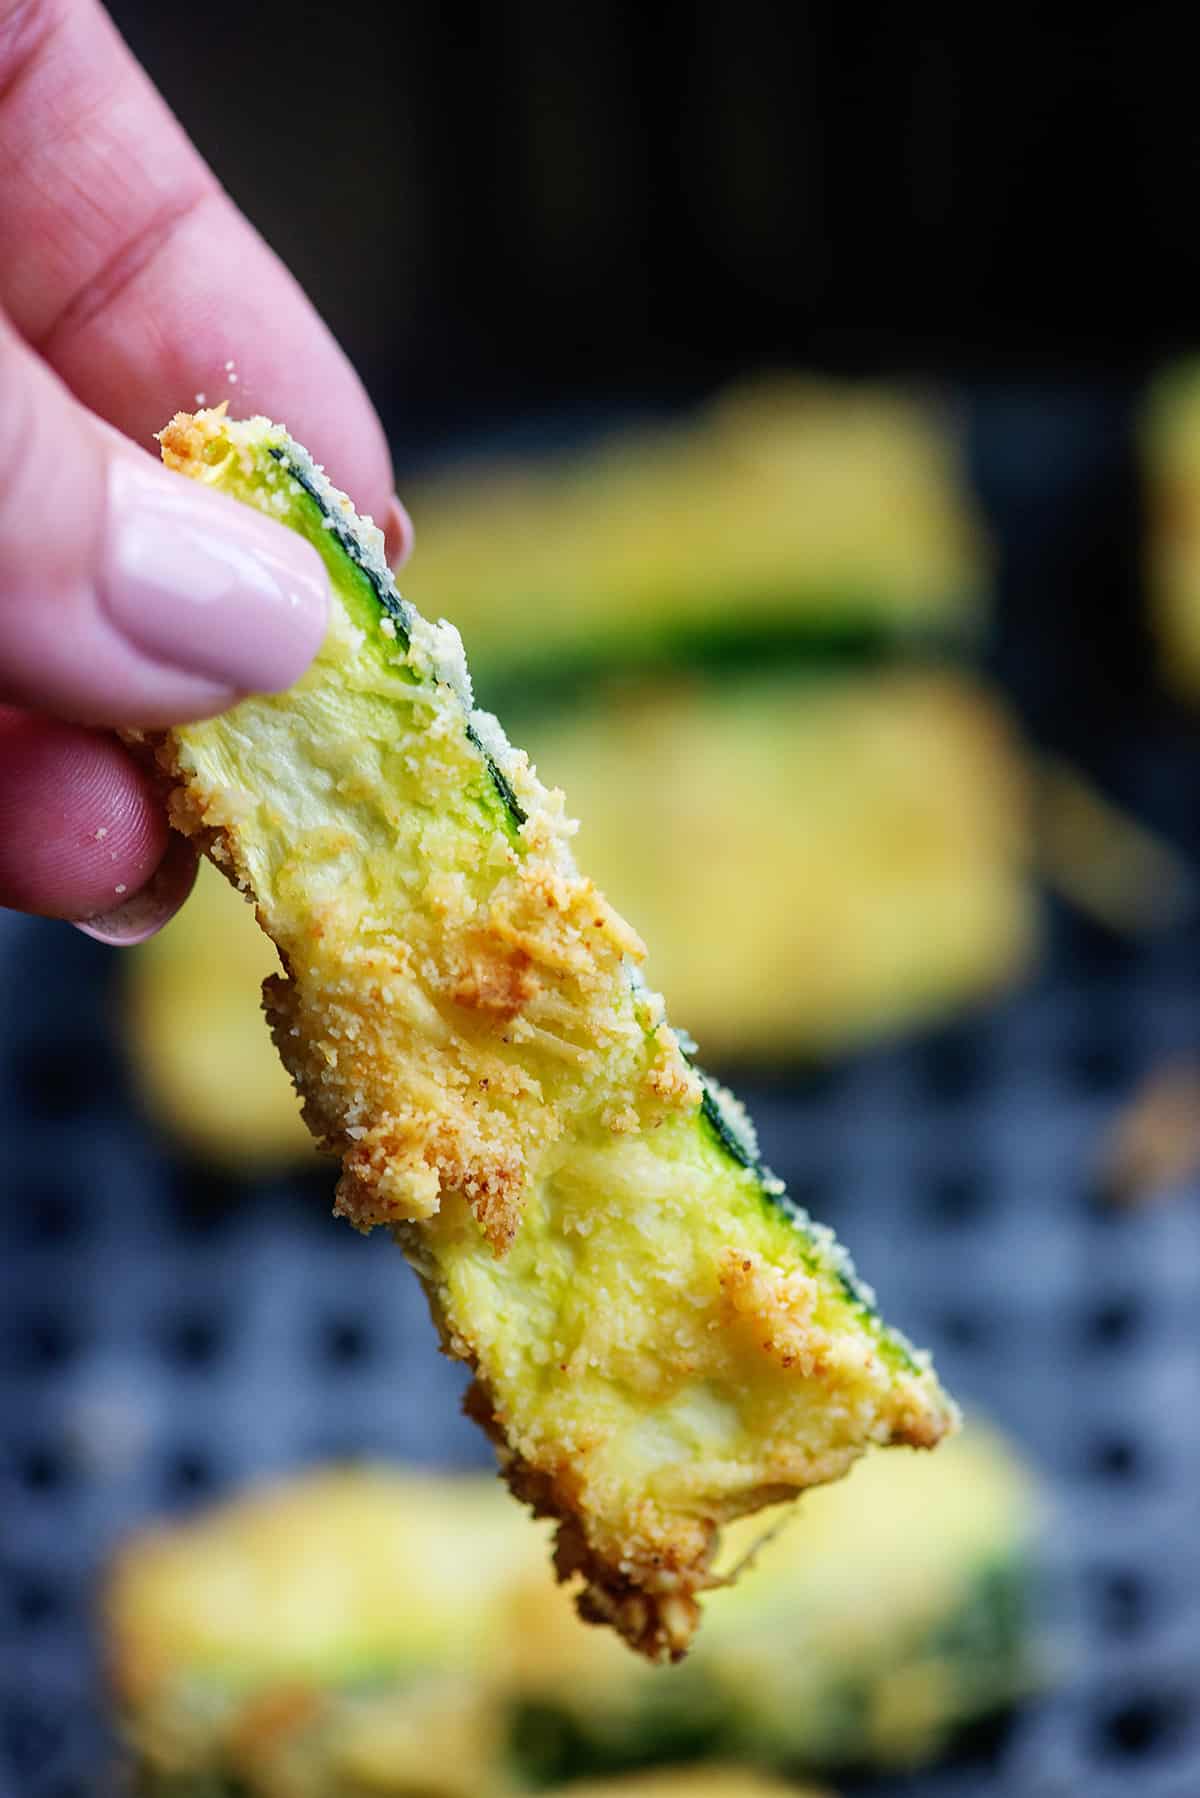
(374,1616)
(661,1340)
(796,514)
(204,1063)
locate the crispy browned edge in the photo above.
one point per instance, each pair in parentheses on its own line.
(659,1625)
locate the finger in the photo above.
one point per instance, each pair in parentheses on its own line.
(134,275)
(145,912)
(397,534)
(129,595)
(80,829)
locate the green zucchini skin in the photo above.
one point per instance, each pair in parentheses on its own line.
(299,467)
(808,653)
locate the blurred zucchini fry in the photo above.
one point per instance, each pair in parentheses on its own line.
(1153,1143)
(816,862)
(1102,860)
(789,511)
(374,1631)
(198,1041)
(693,1782)
(1171,461)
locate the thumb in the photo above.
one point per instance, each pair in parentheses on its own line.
(128,595)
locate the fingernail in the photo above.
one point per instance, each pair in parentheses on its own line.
(397,534)
(153,905)
(206,585)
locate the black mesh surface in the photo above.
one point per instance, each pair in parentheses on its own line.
(163,1335)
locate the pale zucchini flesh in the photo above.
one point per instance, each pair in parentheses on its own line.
(661,1340)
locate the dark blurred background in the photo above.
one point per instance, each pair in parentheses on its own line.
(502,205)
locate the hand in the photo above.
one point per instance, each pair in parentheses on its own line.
(130,288)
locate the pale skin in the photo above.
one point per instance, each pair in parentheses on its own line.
(130,285)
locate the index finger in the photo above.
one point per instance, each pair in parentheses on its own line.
(128,268)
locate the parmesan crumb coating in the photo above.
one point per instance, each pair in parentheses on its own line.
(661,1341)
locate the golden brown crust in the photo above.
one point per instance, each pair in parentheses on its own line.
(653,1607)
(268,1720)
(499,986)
(776,1309)
(399,1148)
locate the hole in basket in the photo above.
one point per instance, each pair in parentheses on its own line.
(952,1200)
(967,1330)
(35,1600)
(29,1738)
(818,1085)
(1113,1323)
(190,1474)
(1086,947)
(1142,1726)
(1121,1601)
(43,1469)
(54,1082)
(308,1193)
(193,1340)
(43,1342)
(979,1745)
(345,1342)
(951,1067)
(1101,1069)
(202,1202)
(1116,1458)
(54,1216)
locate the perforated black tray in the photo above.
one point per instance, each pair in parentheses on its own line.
(162,1335)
